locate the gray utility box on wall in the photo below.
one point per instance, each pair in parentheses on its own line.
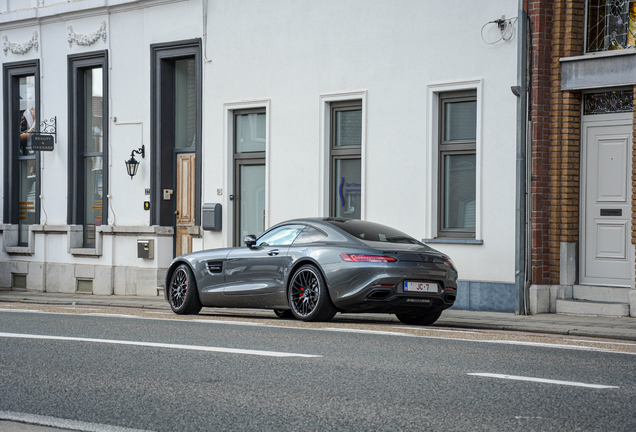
(211,217)
(146,249)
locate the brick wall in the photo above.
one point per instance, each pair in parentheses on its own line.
(558,29)
(541,18)
(565,138)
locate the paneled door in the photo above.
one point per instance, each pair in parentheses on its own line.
(606,204)
(184,213)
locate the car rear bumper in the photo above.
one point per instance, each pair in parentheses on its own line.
(381,289)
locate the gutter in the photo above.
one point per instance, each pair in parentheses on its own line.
(521,91)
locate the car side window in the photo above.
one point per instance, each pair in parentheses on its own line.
(283,235)
(309,235)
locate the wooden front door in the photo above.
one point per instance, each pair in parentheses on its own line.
(184,213)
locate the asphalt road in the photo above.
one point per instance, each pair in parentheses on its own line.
(204,373)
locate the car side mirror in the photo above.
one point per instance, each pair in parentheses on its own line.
(250,240)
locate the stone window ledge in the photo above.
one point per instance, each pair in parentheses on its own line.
(19,250)
(600,54)
(454,241)
(93,252)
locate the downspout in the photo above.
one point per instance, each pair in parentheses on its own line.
(522,118)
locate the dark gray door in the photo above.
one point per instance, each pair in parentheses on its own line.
(258,270)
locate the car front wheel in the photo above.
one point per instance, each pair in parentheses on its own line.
(418,318)
(183,295)
(308,296)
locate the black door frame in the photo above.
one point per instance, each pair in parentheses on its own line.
(162,158)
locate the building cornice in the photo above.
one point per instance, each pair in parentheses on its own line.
(61,12)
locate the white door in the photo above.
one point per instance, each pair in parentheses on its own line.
(606,204)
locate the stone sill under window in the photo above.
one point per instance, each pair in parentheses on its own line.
(454,241)
(93,252)
(19,250)
(600,54)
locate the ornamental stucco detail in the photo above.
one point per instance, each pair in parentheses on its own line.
(86,40)
(22,48)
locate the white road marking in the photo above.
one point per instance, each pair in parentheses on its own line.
(23,310)
(376,332)
(60,423)
(348,330)
(159,345)
(543,380)
(437,330)
(100,314)
(601,342)
(494,341)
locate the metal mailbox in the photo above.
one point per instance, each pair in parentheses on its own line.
(211,217)
(146,249)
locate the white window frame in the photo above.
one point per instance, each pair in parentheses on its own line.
(433,92)
(325,147)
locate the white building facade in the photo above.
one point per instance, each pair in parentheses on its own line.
(399,112)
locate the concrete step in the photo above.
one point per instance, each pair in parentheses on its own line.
(600,294)
(583,307)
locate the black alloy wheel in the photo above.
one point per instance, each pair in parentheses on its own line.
(182,292)
(418,318)
(308,296)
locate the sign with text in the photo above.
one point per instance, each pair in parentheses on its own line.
(42,142)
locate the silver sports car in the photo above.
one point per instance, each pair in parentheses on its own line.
(310,269)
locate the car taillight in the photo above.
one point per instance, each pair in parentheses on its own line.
(367,258)
(449,262)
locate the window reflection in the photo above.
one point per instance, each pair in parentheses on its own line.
(185,104)
(26,158)
(348,191)
(459,194)
(93,154)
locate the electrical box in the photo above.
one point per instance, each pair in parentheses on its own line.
(146,249)
(211,217)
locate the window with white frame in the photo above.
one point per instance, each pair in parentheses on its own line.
(346,159)
(457,164)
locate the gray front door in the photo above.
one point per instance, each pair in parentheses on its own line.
(606,203)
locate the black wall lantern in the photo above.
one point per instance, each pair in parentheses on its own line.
(132,164)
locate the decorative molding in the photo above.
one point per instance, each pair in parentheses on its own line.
(22,48)
(86,40)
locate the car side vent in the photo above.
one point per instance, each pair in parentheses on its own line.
(215,266)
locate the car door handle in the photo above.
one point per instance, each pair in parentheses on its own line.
(273,252)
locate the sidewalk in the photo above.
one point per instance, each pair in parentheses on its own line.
(572,325)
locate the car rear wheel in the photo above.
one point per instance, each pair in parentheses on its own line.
(283,313)
(183,295)
(418,318)
(308,295)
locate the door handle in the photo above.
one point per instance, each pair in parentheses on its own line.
(176,213)
(273,252)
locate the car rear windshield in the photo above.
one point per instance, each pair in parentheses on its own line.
(372,231)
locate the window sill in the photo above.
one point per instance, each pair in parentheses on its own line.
(94,252)
(600,54)
(19,250)
(454,241)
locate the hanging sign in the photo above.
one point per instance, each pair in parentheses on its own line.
(42,142)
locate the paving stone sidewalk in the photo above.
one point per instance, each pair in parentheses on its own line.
(573,325)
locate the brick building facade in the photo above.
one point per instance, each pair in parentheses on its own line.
(577,60)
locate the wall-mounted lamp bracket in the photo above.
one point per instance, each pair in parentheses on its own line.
(132,164)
